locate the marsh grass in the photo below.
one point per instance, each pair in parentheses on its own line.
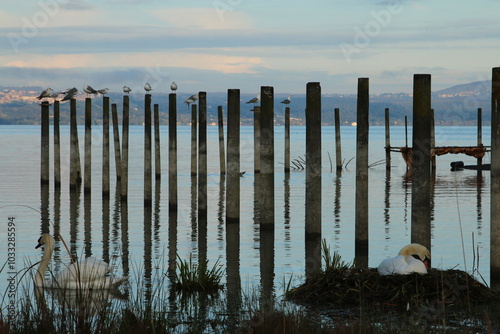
(192,277)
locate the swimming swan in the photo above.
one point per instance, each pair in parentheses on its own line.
(91,273)
(413,258)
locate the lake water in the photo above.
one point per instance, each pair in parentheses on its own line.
(95,227)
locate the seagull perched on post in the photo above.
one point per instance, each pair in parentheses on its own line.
(255,99)
(173,87)
(287,100)
(126,89)
(70,94)
(191,99)
(45,93)
(54,95)
(89,90)
(147,87)
(103,91)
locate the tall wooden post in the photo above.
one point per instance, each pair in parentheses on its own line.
(45,144)
(116,141)
(387,140)
(148,188)
(495,181)
(87,171)
(233,156)
(421,161)
(194,140)
(105,146)
(267,158)
(222,153)
(287,139)
(172,152)
(125,135)
(57,146)
(156,118)
(479,139)
(361,206)
(338,145)
(75,167)
(202,157)
(256,139)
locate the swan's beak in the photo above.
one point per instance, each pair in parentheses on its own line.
(427,262)
(39,243)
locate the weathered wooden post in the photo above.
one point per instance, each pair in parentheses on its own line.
(105,146)
(57,146)
(313,178)
(338,145)
(421,161)
(156,121)
(433,144)
(495,181)
(387,140)
(116,141)
(172,152)
(222,153)
(479,139)
(148,189)
(45,144)
(194,140)
(87,170)
(256,139)
(75,167)
(125,135)
(267,158)
(361,206)
(233,156)
(202,156)
(287,139)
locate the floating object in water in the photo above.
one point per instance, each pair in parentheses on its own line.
(459,165)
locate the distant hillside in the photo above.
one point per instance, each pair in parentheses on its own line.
(469,89)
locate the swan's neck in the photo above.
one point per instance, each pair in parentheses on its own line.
(44,264)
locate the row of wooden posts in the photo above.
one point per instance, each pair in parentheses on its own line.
(264,158)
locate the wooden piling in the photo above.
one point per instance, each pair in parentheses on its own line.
(87,170)
(156,120)
(421,161)
(433,144)
(57,146)
(105,146)
(148,188)
(287,139)
(194,140)
(233,156)
(116,141)
(361,206)
(202,157)
(495,181)
(338,145)
(172,152)
(75,167)
(45,144)
(222,153)
(267,157)
(125,137)
(256,139)
(479,139)
(387,140)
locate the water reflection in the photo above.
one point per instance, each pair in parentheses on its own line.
(87,230)
(74,214)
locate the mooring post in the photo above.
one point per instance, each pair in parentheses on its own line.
(233,156)
(57,146)
(156,118)
(45,144)
(433,144)
(194,140)
(361,206)
(172,152)
(148,189)
(479,139)
(495,181)
(125,135)
(105,146)
(256,139)
(202,156)
(222,153)
(387,140)
(313,178)
(75,167)
(87,170)
(287,139)
(421,161)
(267,158)
(116,141)
(338,145)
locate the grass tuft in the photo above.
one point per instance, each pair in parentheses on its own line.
(192,277)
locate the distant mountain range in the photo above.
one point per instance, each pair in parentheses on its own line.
(456,105)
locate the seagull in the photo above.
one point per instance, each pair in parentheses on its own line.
(191,99)
(173,87)
(147,87)
(103,91)
(255,99)
(287,100)
(70,94)
(89,90)
(45,93)
(54,95)
(126,89)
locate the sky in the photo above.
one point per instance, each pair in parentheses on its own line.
(215,45)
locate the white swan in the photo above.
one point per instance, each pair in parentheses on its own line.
(91,273)
(413,258)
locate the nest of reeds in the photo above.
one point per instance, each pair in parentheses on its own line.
(350,287)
